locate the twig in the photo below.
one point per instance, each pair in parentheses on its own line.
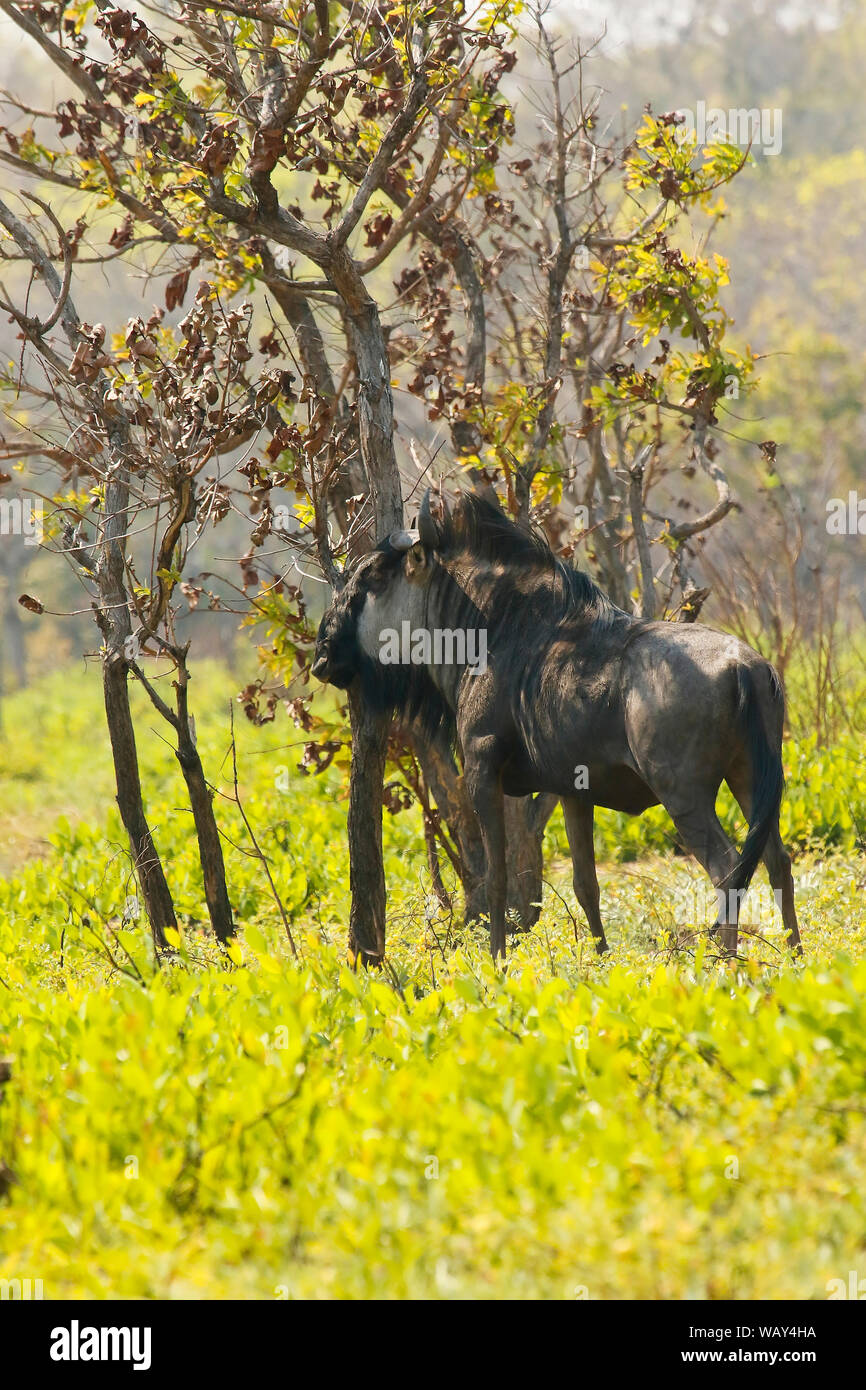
(259,854)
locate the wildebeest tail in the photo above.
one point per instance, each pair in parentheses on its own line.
(768,778)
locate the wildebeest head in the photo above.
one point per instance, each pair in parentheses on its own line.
(382,589)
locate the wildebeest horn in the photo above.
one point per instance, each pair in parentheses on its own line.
(402,540)
(429,529)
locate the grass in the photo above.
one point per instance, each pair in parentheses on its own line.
(655,1124)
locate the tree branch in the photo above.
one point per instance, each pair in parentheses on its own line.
(382,159)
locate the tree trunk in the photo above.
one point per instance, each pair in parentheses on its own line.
(446,786)
(369,735)
(366,868)
(13,667)
(201,801)
(375,424)
(112,610)
(112,616)
(154,888)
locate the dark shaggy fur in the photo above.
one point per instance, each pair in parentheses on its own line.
(481,530)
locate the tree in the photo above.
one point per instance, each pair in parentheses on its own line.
(531,294)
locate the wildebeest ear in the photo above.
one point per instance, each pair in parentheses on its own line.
(429,524)
(417,560)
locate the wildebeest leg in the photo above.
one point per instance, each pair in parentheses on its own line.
(777,860)
(485,793)
(701,833)
(578,827)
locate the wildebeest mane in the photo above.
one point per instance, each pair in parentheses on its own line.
(481,529)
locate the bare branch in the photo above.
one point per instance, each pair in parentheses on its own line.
(39,327)
(412,210)
(635,497)
(724,503)
(64,310)
(382,159)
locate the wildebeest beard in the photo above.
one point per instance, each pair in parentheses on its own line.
(407,692)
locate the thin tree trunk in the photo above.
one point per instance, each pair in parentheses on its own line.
(112,617)
(366,868)
(210,851)
(201,801)
(375,422)
(446,787)
(369,735)
(154,888)
(112,611)
(635,501)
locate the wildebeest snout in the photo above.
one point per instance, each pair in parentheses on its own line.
(319,667)
(334,658)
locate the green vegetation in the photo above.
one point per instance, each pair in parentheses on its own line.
(656,1124)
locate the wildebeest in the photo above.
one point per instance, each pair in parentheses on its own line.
(576,697)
